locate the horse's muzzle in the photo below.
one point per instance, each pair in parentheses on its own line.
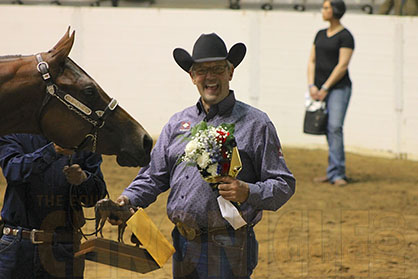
(135,158)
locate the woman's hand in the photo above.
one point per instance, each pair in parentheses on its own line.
(314,92)
(322,94)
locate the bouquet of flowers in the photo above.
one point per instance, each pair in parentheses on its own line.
(210,149)
(213,151)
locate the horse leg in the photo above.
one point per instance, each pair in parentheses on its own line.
(121,230)
(102,222)
(98,218)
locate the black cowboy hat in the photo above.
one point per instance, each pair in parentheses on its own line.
(209,47)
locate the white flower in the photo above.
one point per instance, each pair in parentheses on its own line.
(213,170)
(203,160)
(205,149)
(191,147)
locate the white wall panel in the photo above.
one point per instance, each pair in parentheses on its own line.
(128,51)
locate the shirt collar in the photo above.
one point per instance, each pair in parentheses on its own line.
(223,107)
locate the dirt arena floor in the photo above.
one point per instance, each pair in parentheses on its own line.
(368,229)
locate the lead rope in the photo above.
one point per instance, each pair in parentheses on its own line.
(70,162)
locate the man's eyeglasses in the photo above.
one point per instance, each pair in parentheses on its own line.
(217,70)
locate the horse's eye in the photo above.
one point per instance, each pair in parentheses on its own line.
(90,91)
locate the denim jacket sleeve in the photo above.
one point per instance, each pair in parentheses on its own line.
(19,166)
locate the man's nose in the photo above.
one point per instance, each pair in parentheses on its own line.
(210,73)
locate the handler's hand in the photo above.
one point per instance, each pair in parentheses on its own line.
(122,200)
(74,174)
(63,151)
(233,189)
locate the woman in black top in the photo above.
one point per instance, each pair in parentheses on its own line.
(329,81)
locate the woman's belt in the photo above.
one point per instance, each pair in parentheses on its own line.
(40,236)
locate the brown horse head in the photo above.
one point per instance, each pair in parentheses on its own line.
(52,95)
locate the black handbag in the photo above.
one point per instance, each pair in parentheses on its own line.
(316,118)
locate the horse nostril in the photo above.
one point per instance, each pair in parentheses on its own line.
(147,143)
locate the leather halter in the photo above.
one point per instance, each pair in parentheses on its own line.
(96,119)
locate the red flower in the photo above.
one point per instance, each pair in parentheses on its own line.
(222,136)
(225,168)
(224,153)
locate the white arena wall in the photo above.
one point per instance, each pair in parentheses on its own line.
(128,51)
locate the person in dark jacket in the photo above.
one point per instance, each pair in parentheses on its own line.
(42,210)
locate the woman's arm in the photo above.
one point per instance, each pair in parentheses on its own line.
(341,68)
(313,90)
(338,72)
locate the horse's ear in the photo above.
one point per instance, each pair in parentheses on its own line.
(61,50)
(63,39)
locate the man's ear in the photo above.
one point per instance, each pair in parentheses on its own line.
(231,73)
(192,77)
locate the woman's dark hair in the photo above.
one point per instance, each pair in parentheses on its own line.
(338,8)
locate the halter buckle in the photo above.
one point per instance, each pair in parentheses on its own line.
(40,64)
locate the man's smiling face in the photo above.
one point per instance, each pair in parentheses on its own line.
(212,80)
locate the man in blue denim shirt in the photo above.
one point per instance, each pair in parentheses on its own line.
(42,206)
(206,245)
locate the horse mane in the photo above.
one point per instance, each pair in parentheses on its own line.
(11,57)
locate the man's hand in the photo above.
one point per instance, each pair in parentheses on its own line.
(233,189)
(74,174)
(122,200)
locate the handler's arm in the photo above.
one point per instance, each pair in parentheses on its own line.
(18,166)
